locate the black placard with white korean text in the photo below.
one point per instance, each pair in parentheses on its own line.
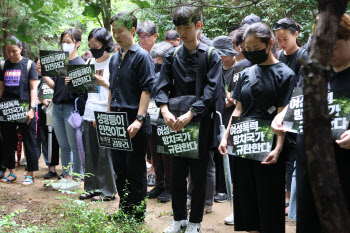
(82,79)
(250,138)
(14,110)
(183,143)
(338,105)
(112,130)
(54,63)
(45,91)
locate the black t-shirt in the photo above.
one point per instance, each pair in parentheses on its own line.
(292,61)
(238,67)
(61,94)
(278,82)
(341,81)
(16,79)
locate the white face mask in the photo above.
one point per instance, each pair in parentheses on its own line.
(68,47)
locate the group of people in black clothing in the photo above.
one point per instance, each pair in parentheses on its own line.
(169,71)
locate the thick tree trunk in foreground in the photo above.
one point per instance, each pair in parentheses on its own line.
(319,151)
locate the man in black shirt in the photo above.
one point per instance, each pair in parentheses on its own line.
(131,76)
(178,76)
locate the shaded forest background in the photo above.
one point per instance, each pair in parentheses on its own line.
(40,22)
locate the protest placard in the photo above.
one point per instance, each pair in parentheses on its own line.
(14,110)
(45,91)
(153,111)
(183,143)
(54,63)
(82,79)
(250,138)
(338,105)
(112,130)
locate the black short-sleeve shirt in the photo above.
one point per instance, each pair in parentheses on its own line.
(292,61)
(16,79)
(278,82)
(130,77)
(61,94)
(238,67)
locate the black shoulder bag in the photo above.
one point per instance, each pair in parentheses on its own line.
(182,104)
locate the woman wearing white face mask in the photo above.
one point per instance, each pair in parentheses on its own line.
(62,109)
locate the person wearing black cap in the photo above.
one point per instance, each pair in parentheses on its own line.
(250,19)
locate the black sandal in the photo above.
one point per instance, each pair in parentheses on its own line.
(86,196)
(103,198)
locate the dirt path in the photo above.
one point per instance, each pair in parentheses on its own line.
(39,201)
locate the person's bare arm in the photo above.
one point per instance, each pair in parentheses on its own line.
(49,82)
(33,84)
(2,88)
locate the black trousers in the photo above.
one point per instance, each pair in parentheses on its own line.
(290,150)
(130,168)
(9,133)
(198,167)
(219,173)
(307,216)
(2,158)
(259,193)
(43,133)
(161,162)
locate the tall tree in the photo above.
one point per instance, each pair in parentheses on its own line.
(319,151)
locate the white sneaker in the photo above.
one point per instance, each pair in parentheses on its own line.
(230,220)
(193,228)
(148,165)
(57,185)
(176,227)
(70,185)
(208,209)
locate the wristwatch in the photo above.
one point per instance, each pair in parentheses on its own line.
(193,111)
(140,118)
(34,108)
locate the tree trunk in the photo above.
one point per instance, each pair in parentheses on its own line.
(107,15)
(319,150)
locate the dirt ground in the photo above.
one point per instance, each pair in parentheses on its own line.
(39,200)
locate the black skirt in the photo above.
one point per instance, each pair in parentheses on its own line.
(259,194)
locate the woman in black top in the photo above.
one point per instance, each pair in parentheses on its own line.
(259,187)
(307,217)
(19,80)
(63,106)
(287,32)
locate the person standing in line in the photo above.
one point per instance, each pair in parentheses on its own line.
(101,184)
(161,162)
(63,106)
(259,186)
(178,77)
(172,37)
(19,80)
(131,76)
(147,32)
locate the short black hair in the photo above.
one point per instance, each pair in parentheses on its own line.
(184,15)
(12,40)
(103,36)
(239,34)
(290,21)
(171,35)
(147,26)
(125,19)
(74,33)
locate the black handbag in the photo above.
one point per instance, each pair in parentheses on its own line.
(182,104)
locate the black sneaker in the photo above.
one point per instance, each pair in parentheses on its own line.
(50,175)
(155,192)
(2,173)
(60,176)
(165,196)
(221,197)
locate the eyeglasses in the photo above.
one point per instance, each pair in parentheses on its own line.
(277,26)
(145,37)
